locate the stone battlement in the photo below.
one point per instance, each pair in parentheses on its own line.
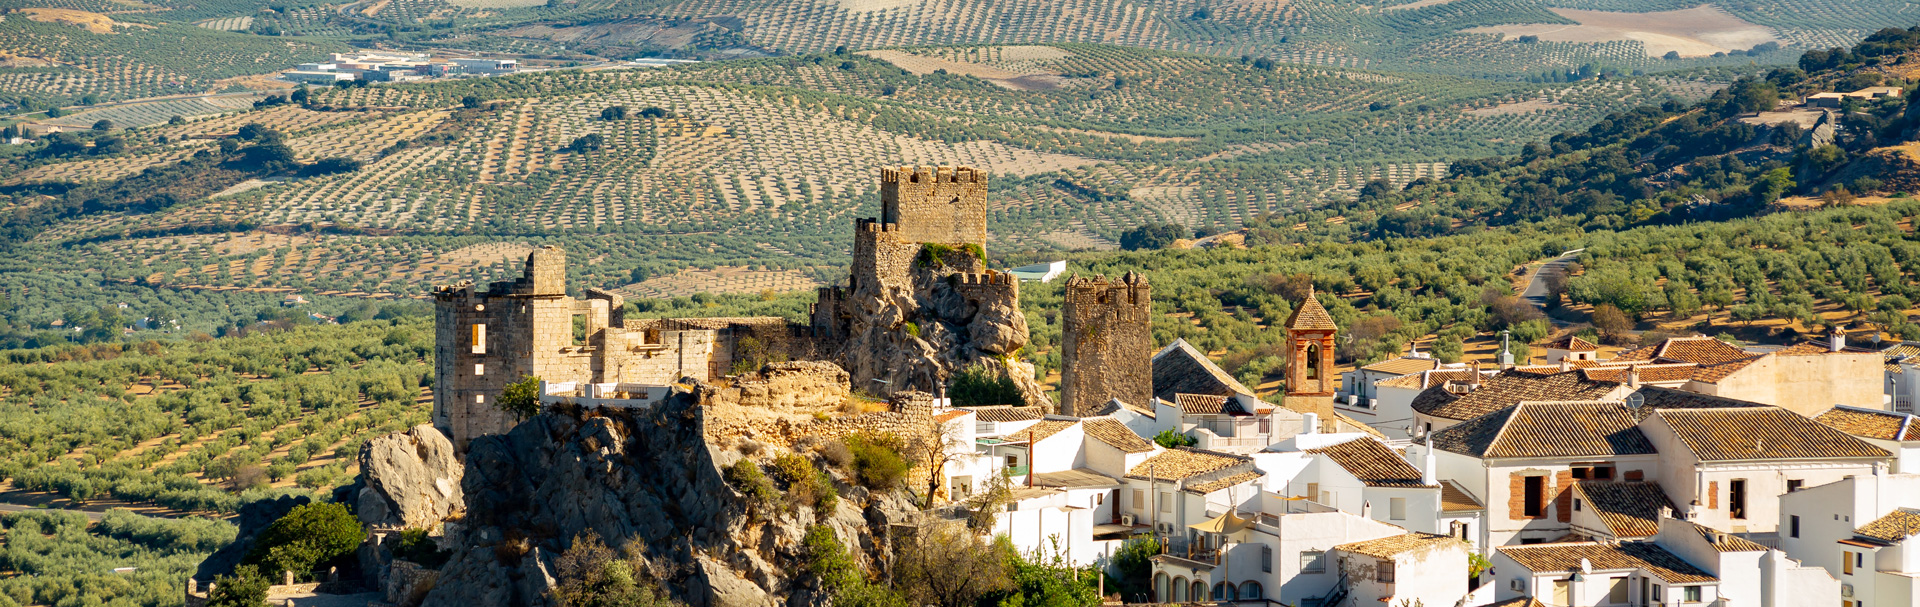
(932,174)
(869,224)
(989,277)
(1106,342)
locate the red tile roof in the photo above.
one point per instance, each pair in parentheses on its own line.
(1752,433)
(1548,429)
(1373,463)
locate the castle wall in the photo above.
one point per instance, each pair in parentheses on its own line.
(946,205)
(882,257)
(1107,343)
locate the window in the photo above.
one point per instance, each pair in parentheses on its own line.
(1656,593)
(1250,590)
(1313,561)
(1266,428)
(479,368)
(1140,500)
(1166,502)
(1561,592)
(1397,509)
(579,329)
(1793,484)
(1793,526)
(1013,461)
(962,486)
(1099,499)
(1266,559)
(1313,361)
(479,338)
(1576,504)
(1536,496)
(1313,491)
(1617,591)
(1737,498)
(1383,572)
(1595,472)
(479,398)
(980,427)
(1690,594)
(1846,562)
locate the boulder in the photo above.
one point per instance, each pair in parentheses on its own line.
(409,479)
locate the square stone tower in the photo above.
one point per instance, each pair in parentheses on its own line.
(1107,343)
(941,205)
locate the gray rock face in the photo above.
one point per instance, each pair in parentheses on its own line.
(916,339)
(639,479)
(411,479)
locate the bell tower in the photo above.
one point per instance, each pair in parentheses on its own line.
(1311,381)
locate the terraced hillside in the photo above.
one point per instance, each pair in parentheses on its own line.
(752,171)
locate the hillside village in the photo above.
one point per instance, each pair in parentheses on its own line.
(1688,472)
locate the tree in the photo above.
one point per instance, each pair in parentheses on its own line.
(329,166)
(1449,349)
(589,142)
(1671,56)
(520,399)
(1152,236)
(1171,439)
(1612,323)
(655,112)
(54,112)
(176,121)
(470,102)
(1134,563)
(617,112)
(945,564)
(978,385)
(306,538)
(103,125)
(244,589)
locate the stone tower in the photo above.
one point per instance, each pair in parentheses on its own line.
(484,340)
(1311,381)
(1107,343)
(942,205)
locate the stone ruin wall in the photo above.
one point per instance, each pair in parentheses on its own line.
(945,205)
(1106,343)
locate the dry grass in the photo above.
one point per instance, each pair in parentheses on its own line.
(1695,32)
(92,22)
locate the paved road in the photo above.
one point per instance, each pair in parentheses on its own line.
(1536,290)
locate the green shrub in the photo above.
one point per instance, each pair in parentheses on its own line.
(977,385)
(744,476)
(877,463)
(415,545)
(806,483)
(1171,439)
(520,399)
(305,539)
(245,589)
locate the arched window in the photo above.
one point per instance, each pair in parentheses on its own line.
(1199,590)
(1313,361)
(1160,587)
(1224,591)
(1250,590)
(1179,590)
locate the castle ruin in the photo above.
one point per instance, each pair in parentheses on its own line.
(485,340)
(1107,344)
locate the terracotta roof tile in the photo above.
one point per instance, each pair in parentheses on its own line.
(1508,388)
(1454,498)
(1632,555)
(1042,431)
(1573,343)
(1404,365)
(1898,525)
(1548,429)
(950,415)
(1808,348)
(1223,482)
(1387,547)
(1310,315)
(1748,433)
(1008,414)
(1723,541)
(1629,510)
(1702,350)
(1182,463)
(1650,373)
(1655,398)
(1179,368)
(1373,463)
(1200,404)
(1870,423)
(1423,380)
(1116,435)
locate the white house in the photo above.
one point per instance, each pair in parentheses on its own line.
(1572,349)
(1405,569)
(1276,549)
(1859,530)
(1356,474)
(1727,465)
(1600,574)
(1895,432)
(1749,573)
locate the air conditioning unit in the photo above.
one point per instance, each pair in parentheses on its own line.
(1516,585)
(1846,590)
(1126,519)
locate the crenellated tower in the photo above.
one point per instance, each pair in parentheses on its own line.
(941,205)
(1107,343)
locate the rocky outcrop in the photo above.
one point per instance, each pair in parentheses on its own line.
(955,314)
(641,479)
(787,385)
(409,479)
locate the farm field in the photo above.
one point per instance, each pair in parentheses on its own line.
(1695,32)
(759,166)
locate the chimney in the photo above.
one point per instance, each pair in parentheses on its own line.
(1837,341)
(1566,365)
(1309,423)
(1633,376)
(1427,475)
(1366,509)
(1666,512)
